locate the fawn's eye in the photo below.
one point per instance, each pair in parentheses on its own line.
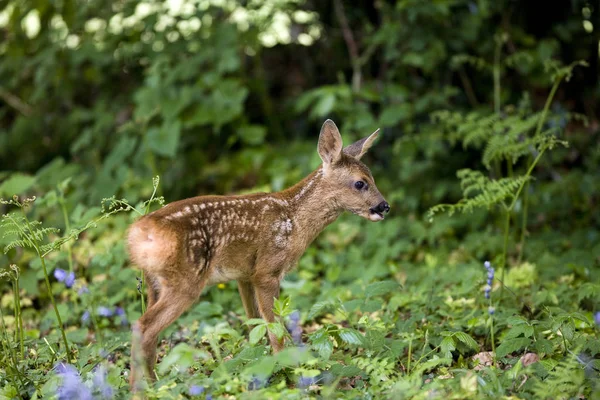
(359,185)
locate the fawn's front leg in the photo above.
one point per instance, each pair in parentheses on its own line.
(265,293)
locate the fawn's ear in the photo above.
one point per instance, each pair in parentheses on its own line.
(359,148)
(330,144)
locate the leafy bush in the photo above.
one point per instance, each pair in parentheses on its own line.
(221,97)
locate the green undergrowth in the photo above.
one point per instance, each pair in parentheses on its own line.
(387,310)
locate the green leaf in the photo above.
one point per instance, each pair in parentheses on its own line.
(395,113)
(380,288)
(257,333)
(467,340)
(252,134)
(339,370)
(370,306)
(543,346)
(276,329)
(447,346)
(78,335)
(515,320)
(518,330)
(319,308)
(351,336)
(322,343)
(16,184)
(164,140)
(255,321)
(324,105)
(183,356)
(511,345)
(263,368)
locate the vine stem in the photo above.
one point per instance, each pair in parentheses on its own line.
(505,248)
(63,208)
(538,130)
(493,335)
(19,320)
(496,72)
(48,286)
(10,351)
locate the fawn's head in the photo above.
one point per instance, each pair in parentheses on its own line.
(347,179)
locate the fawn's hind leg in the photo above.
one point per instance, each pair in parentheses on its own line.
(152,289)
(172,302)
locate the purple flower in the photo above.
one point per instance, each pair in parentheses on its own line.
(85,317)
(209,397)
(256,383)
(105,311)
(294,328)
(70,279)
(306,381)
(491,310)
(83,290)
(71,386)
(597,318)
(100,384)
(119,311)
(490,279)
(196,390)
(60,274)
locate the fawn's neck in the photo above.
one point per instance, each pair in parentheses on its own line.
(311,205)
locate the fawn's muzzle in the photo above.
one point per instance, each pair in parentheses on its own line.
(380,208)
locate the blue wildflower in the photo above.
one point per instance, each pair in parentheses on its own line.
(491,310)
(83,290)
(100,383)
(597,318)
(60,274)
(306,381)
(120,312)
(294,328)
(70,279)
(490,278)
(63,276)
(256,383)
(85,317)
(196,390)
(71,386)
(105,311)
(209,397)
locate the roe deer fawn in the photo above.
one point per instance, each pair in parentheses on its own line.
(255,239)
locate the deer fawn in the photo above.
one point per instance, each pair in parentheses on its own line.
(255,239)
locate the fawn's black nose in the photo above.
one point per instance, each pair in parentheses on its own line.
(381,207)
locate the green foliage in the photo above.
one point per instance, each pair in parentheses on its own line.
(479,191)
(227,97)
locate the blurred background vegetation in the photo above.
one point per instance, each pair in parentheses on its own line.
(221,96)
(225,96)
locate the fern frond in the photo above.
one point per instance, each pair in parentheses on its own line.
(479,191)
(567,378)
(17,243)
(42,233)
